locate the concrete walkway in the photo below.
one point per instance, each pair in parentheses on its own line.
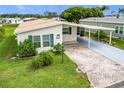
(106,50)
(101,71)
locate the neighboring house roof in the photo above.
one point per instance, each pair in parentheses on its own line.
(43,23)
(28,19)
(11,18)
(104,20)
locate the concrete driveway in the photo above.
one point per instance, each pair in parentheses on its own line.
(101,71)
(106,50)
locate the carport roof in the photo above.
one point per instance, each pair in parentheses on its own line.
(43,23)
(88,26)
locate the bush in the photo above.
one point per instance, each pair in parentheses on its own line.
(47,58)
(26,49)
(36,62)
(58,48)
(2,30)
(43,59)
(102,35)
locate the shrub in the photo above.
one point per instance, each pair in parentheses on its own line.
(36,62)
(102,35)
(2,30)
(58,48)
(47,58)
(26,49)
(43,59)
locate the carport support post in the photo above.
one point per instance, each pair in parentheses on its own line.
(110,38)
(89,40)
(62,53)
(98,34)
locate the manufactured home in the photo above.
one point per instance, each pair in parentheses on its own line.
(112,22)
(45,33)
(11,20)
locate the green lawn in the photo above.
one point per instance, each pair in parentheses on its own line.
(119,43)
(18,73)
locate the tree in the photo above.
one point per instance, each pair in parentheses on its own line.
(74,14)
(103,8)
(117,13)
(50,14)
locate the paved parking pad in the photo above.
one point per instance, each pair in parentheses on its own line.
(101,71)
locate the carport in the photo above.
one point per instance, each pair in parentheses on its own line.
(90,29)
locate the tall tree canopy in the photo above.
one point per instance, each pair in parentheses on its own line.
(75,13)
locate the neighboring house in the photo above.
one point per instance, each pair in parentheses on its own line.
(11,20)
(45,33)
(113,22)
(0,22)
(58,18)
(29,19)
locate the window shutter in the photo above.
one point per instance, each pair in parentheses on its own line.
(70,30)
(51,40)
(30,37)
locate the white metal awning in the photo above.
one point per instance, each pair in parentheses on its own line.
(88,26)
(91,28)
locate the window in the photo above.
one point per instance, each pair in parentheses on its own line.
(121,30)
(67,30)
(78,31)
(30,37)
(116,29)
(36,40)
(46,40)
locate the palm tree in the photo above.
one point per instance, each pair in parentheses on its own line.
(120,10)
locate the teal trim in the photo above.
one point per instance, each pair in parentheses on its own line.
(30,37)
(51,40)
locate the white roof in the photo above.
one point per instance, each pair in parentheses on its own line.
(43,23)
(88,26)
(104,20)
(11,18)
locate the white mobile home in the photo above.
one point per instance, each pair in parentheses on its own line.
(12,20)
(45,33)
(112,22)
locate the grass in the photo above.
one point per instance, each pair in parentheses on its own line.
(18,72)
(118,43)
